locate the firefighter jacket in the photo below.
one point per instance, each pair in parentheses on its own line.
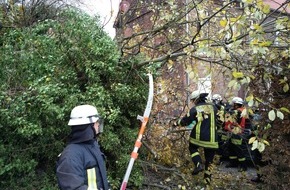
(220,115)
(204,133)
(81,165)
(236,122)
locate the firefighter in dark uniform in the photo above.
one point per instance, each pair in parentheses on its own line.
(81,165)
(217,100)
(237,121)
(203,133)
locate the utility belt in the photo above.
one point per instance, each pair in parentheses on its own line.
(237,141)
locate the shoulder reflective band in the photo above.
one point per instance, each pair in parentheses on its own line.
(92,179)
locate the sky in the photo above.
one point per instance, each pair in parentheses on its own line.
(104,8)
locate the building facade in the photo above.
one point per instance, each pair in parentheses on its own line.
(196,46)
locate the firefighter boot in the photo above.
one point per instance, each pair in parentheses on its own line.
(243,166)
(207,174)
(207,177)
(217,159)
(257,179)
(232,164)
(198,168)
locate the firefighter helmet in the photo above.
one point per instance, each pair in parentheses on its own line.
(217,97)
(237,100)
(83,114)
(197,94)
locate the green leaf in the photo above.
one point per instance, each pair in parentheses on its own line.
(268,126)
(238,74)
(223,23)
(249,98)
(286,87)
(272,115)
(285,109)
(261,146)
(266,9)
(251,103)
(232,83)
(280,114)
(251,140)
(255,145)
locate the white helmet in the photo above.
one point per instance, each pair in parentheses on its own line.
(217,97)
(197,94)
(84,114)
(237,100)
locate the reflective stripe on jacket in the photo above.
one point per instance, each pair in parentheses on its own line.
(81,166)
(204,133)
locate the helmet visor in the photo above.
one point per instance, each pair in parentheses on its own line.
(83,120)
(101,125)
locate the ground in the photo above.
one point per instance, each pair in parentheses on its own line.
(230,178)
(159,177)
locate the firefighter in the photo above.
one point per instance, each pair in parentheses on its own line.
(203,134)
(236,120)
(217,100)
(81,165)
